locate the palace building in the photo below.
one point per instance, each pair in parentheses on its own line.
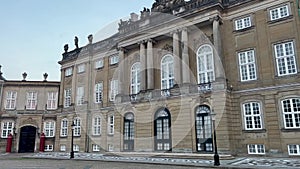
(167,80)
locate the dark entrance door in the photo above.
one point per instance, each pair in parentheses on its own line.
(162,131)
(27,139)
(129,132)
(204,129)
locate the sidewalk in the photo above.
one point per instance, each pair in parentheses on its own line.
(172,159)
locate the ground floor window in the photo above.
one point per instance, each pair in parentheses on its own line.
(48,147)
(110,147)
(62,147)
(76,148)
(96,147)
(162,131)
(256,149)
(294,149)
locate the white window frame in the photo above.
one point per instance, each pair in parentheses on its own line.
(258,149)
(291,115)
(31,101)
(285,58)
(97,126)
(294,149)
(99,63)
(77,127)
(96,148)
(49,147)
(68,71)
(7,128)
(253,115)
(67,96)
(278,12)
(81,68)
(135,78)
(98,92)
(76,147)
(243,23)
(63,147)
(111,126)
(167,72)
(49,129)
(64,128)
(114,59)
(247,65)
(11,98)
(114,89)
(110,147)
(80,95)
(205,69)
(52,100)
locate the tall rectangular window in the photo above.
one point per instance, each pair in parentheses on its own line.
(98,92)
(68,71)
(7,128)
(49,128)
(80,68)
(64,128)
(111,122)
(247,65)
(256,149)
(113,89)
(243,23)
(11,97)
(67,100)
(80,95)
(291,113)
(31,100)
(279,12)
(252,116)
(97,126)
(77,127)
(285,58)
(52,100)
(99,63)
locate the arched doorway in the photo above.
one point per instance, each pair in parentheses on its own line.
(27,139)
(128,132)
(162,131)
(203,129)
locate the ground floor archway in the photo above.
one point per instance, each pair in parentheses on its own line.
(27,139)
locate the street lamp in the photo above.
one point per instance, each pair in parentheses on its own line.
(72,139)
(216,155)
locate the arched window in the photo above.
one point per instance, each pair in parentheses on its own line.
(252,116)
(162,130)
(64,128)
(205,64)
(291,112)
(167,72)
(135,78)
(97,126)
(203,129)
(128,132)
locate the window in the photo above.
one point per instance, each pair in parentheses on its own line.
(285,58)
(96,147)
(49,128)
(247,65)
(7,128)
(252,116)
(162,131)
(205,64)
(279,12)
(63,147)
(52,100)
(31,100)
(97,126)
(135,78)
(77,127)
(111,122)
(99,64)
(256,149)
(167,72)
(67,98)
(76,147)
(98,92)
(294,149)
(204,129)
(48,147)
(11,98)
(64,128)
(243,23)
(69,71)
(291,112)
(80,68)
(113,89)
(80,95)
(128,132)
(110,147)
(114,59)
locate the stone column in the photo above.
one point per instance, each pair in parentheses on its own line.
(177,60)
(121,70)
(150,65)
(218,47)
(143,65)
(185,57)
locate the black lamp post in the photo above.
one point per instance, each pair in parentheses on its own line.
(216,155)
(72,139)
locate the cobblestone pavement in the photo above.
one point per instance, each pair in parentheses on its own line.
(253,162)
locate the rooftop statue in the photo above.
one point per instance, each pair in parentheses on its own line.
(76,42)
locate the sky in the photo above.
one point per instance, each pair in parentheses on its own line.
(33,32)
